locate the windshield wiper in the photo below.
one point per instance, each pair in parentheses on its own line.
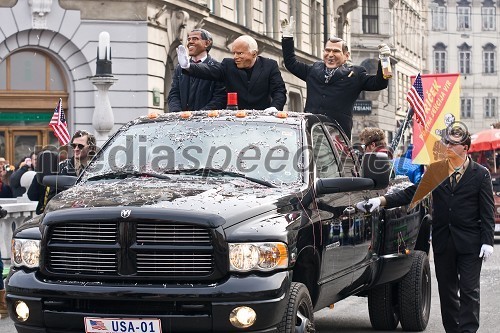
(219,172)
(125,174)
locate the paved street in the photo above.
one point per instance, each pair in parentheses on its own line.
(351,315)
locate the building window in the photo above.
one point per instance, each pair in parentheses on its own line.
(295,10)
(489,59)
(244,12)
(490,107)
(404,84)
(315,23)
(464,59)
(34,71)
(295,102)
(488,18)
(463,18)
(464,62)
(438,18)
(271,13)
(440,56)
(370,16)
(214,6)
(31,83)
(466,107)
(440,62)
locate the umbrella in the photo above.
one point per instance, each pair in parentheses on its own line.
(485,140)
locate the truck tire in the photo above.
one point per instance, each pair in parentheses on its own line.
(415,294)
(383,307)
(299,315)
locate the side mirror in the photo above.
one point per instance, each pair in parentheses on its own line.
(59,182)
(376,166)
(341,185)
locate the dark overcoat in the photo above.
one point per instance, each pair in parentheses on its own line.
(190,93)
(335,99)
(265,88)
(465,213)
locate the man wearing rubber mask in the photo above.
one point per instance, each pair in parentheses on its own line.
(257,80)
(462,226)
(190,93)
(333,85)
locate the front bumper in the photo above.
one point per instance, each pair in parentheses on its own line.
(61,306)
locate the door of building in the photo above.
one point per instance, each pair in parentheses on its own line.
(18,142)
(31,83)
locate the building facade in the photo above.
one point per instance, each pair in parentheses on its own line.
(464,38)
(402,26)
(48,50)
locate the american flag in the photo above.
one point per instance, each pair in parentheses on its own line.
(98,325)
(416,99)
(59,125)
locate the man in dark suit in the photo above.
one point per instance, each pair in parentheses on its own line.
(190,93)
(332,85)
(462,227)
(255,79)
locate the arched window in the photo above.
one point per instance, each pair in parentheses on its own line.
(464,58)
(371,66)
(295,102)
(440,58)
(31,84)
(489,59)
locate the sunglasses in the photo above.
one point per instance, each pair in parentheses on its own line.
(79,145)
(452,143)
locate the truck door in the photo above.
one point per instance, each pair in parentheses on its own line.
(336,243)
(359,224)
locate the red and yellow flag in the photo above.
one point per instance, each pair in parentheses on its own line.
(442,108)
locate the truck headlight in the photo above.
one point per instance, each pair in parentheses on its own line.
(25,252)
(244,257)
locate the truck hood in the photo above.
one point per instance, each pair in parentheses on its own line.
(233,199)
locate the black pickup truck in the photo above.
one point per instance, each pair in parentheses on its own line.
(219,221)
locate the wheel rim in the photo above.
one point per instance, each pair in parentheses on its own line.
(302,323)
(426,293)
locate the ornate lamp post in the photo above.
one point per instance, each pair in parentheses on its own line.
(103,118)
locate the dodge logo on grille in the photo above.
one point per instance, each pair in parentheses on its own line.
(125,213)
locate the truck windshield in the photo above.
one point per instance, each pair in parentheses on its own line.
(265,151)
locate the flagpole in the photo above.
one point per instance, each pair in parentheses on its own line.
(399,134)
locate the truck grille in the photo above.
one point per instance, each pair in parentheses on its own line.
(85,233)
(130,249)
(171,234)
(75,261)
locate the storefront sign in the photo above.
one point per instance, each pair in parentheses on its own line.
(362,107)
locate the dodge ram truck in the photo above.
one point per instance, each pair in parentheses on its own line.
(220,221)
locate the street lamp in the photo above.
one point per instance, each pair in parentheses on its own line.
(103,118)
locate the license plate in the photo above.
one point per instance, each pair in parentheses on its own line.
(122,325)
(497,227)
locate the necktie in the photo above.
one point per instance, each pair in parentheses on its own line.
(454,179)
